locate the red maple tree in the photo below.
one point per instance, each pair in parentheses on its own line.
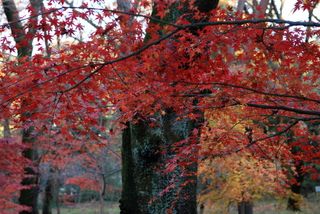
(243,65)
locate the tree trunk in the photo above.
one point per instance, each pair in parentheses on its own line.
(47,208)
(245,207)
(48,194)
(6,128)
(58,207)
(128,201)
(101,203)
(294,202)
(55,189)
(147,150)
(28,197)
(201,208)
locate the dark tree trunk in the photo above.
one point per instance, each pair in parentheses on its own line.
(6,128)
(245,207)
(47,201)
(294,203)
(201,208)
(146,151)
(128,202)
(28,197)
(48,194)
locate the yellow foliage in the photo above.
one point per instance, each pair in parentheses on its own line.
(240,177)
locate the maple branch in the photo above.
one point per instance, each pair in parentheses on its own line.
(101,65)
(198,24)
(316,18)
(202,24)
(252,90)
(84,79)
(255,141)
(15,22)
(278,15)
(87,20)
(123,12)
(285,108)
(274,135)
(293,118)
(253,21)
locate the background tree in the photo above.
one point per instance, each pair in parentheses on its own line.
(241,179)
(23,41)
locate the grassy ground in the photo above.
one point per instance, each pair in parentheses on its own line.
(90,208)
(310,205)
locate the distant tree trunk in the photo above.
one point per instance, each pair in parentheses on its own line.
(48,194)
(145,153)
(294,203)
(6,128)
(58,207)
(46,209)
(55,188)
(28,197)
(56,192)
(102,193)
(101,202)
(201,208)
(245,207)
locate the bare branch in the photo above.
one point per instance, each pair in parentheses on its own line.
(284,108)
(252,90)
(234,22)
(278,15)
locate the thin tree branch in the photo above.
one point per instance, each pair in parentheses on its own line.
(285,108)
(249,89)
(278,15)
(234,22)
(255,141)
(102,65)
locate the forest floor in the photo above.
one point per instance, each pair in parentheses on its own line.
(310,206)
(90,208)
